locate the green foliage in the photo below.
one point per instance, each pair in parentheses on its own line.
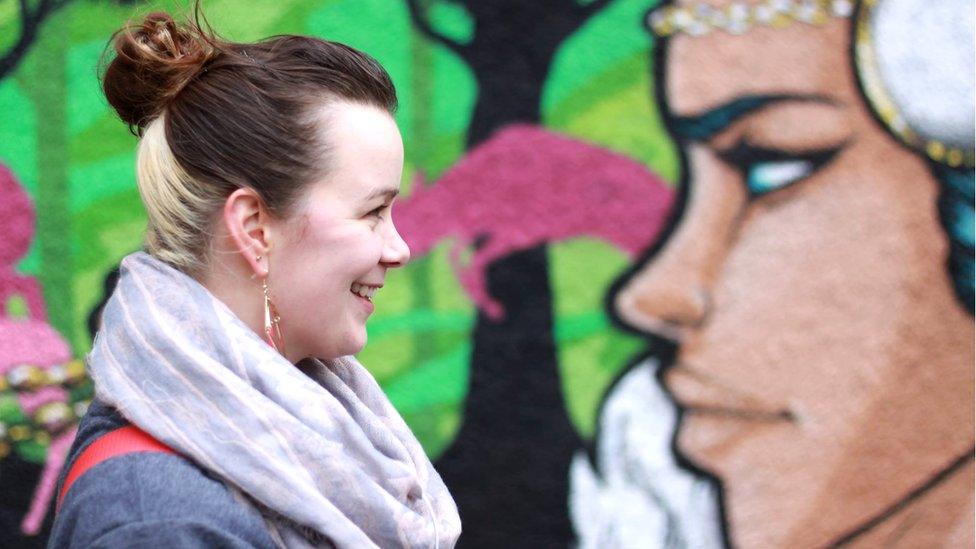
(18,133)
(16,307)
(613,34)
(106,230)
(600,88)
(10,410)
(451,19)
(590,352)
(18,149)
(9,24)
(104,137)
(32,451)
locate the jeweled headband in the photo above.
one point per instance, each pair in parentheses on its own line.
(739,17)
(913,58)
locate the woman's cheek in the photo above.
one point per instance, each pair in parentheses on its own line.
(374,242)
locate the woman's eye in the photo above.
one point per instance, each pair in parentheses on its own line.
(766,170)
(765,177)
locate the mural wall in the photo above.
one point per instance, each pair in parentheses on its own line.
(684,275)
(809,376)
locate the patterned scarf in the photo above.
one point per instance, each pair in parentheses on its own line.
(318,449)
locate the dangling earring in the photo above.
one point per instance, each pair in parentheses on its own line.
(272,329)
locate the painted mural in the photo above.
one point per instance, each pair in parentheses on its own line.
(684,275)
(809,377)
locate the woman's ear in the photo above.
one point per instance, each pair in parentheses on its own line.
(248,224)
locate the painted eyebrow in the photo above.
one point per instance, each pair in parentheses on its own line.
(387,194)
(702,127)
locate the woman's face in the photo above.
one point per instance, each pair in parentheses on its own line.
(340,238)
(825,366)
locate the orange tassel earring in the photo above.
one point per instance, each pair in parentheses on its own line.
(272,328)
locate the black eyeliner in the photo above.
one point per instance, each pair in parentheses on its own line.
(743,156)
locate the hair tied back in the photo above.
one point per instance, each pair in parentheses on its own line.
(154,60)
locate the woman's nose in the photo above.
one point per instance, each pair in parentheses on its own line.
(672,291)
(396,253)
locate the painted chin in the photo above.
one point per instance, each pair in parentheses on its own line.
(714,441)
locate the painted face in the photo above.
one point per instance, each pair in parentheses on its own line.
(825,366)
(341,241)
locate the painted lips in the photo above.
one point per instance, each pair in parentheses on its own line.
(701,393)
(717,417)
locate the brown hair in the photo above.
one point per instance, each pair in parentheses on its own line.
(215,116)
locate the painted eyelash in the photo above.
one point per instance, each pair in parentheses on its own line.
(776,165)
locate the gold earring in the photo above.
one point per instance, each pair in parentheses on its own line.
(272,329)
(256,258)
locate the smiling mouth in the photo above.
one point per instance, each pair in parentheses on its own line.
(364,291)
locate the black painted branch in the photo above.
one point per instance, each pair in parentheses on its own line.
(30,22)
(417,15)
(593,7)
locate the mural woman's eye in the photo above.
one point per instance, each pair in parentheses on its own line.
(764,177)
(766,170)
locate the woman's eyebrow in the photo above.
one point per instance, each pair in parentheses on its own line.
(702,127)
(388,194)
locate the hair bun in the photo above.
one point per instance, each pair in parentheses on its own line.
(153,61)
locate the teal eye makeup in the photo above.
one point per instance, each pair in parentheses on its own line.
(764,177)
(765,170)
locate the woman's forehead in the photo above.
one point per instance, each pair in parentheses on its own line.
(365,150)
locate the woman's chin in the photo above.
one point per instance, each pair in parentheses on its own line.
(352,345)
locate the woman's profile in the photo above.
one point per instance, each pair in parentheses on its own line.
(268,172)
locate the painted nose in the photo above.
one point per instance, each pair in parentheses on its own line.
(663,299)
(671,294)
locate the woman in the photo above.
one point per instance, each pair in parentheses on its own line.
(268,172)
